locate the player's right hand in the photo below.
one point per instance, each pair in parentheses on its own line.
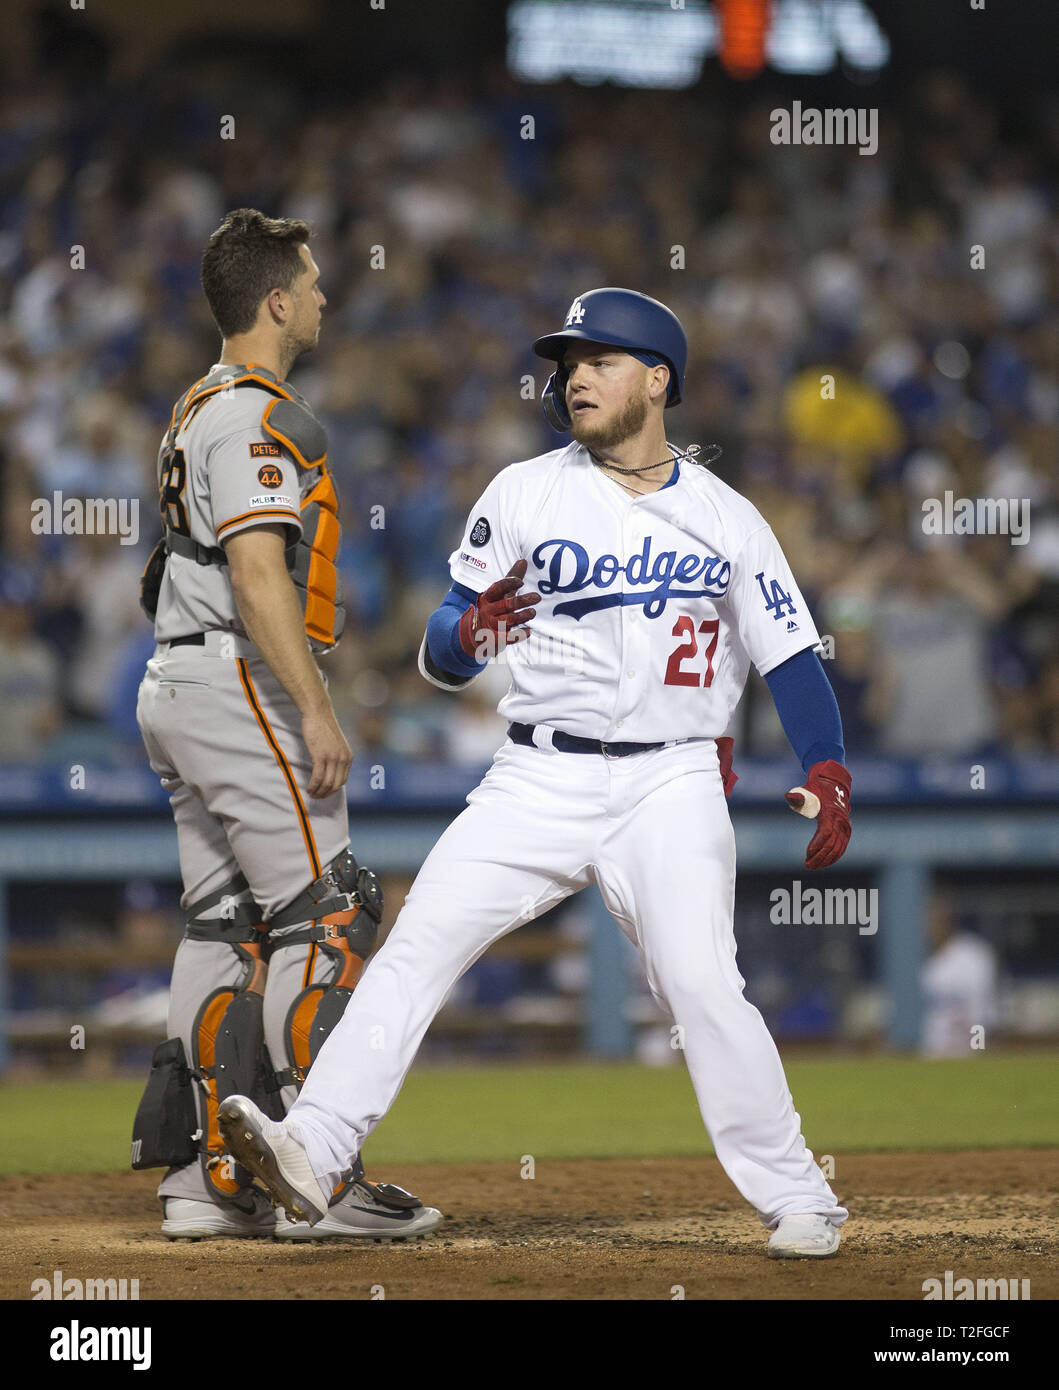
(725,747)
(331,754)
(825,799)
(499,618)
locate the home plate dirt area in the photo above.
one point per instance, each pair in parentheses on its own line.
(585,1229)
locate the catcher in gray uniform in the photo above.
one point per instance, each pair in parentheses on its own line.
(239,726)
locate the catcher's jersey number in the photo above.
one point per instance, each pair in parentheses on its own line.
(173,478)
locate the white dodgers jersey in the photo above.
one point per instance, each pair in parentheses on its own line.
(652,608)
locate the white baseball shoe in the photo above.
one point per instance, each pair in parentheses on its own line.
(248,1217)
(367,1211)
(268,1150)
(804,1237)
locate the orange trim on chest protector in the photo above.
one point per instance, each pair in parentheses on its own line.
(321,585)
(197,397)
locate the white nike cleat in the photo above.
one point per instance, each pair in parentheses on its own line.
(804,1237)
(268,1150)
(364,1213)
(248,1217)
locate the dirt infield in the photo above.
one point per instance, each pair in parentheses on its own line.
(614,1229)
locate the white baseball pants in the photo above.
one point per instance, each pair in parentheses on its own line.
(653,831)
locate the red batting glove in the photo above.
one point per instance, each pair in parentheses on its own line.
(825,799)
(498,619)
(724,755)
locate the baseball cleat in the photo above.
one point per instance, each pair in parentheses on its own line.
(248,1217)
(364,1213)
(269,1151)
(804,1237)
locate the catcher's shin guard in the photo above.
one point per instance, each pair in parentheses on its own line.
(318,1008)
(229,1056)
(228,1043)
(225,1052)
(346,936)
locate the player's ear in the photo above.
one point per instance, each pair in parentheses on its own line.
(276,305)
(659,384)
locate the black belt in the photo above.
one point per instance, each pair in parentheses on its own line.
(573,743)
(196,639)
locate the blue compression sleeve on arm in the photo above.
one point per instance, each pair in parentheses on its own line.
(807,709)
(443,641)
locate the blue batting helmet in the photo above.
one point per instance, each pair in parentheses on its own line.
(622,319)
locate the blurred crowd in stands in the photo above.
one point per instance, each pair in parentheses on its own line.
(789,266)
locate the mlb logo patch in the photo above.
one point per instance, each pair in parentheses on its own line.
(272,499)
(480,532)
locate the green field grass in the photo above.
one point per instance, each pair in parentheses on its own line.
(455,1115)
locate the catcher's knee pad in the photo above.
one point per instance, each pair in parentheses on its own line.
(346,906)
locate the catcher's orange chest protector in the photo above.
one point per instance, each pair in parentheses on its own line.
(311,559)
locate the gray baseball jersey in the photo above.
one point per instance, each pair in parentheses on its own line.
(223,474)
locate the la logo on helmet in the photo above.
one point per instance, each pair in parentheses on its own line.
(576,313)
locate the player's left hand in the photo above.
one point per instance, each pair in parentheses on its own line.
(825,799)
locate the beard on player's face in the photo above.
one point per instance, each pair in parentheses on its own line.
(297,339)
(609,432)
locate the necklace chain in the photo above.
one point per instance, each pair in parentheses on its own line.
(689,453)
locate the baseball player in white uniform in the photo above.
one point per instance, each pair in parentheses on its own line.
(651,587)
(239,726)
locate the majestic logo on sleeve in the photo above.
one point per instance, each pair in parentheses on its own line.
(651,580)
